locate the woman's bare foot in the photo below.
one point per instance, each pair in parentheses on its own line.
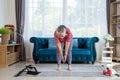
(69,68)
(58,67)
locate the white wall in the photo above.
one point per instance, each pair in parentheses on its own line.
(7,12)
(11,12)
(3,12)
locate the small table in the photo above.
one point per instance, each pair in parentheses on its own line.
(107,54)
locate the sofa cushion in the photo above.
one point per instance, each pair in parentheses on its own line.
(75,43)
(51,43)
(78,51)
(49,51)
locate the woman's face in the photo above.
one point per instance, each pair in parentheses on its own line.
(61,35)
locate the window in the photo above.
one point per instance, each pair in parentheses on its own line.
(84,17)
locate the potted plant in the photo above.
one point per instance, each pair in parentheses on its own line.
(107,39)
(5,33)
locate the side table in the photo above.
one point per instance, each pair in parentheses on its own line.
(107,53)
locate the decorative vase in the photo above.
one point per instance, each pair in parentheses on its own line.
(107,44)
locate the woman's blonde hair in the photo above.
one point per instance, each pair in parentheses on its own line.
(61,29)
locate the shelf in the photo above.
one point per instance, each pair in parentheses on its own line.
(107,59)
(10,54)
(116,2)
(114,30)
(13,44)
(116,44)
(116,58)
(117,36)
(108,52)
(116,23)
(116,15)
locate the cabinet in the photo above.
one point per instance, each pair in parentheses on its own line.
(115,28)
(107,53)
(9,54)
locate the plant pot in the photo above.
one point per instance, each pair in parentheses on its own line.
(4,38)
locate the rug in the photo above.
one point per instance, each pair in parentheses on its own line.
(117,68)
(78,71)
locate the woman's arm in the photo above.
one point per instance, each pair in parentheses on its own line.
(59,49)
(67,44)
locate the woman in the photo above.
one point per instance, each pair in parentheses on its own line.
(63,36)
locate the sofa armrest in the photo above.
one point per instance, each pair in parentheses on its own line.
(90,44)
(37,45)
(35,41)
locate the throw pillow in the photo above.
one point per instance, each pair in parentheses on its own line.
(75,43)
(51,43)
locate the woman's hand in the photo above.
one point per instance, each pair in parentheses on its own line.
(65,57)
(63,60)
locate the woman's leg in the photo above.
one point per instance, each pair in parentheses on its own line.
(58,61)
(59,57)
(69,56)
(58,54)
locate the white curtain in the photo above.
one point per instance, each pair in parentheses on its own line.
(85,18)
